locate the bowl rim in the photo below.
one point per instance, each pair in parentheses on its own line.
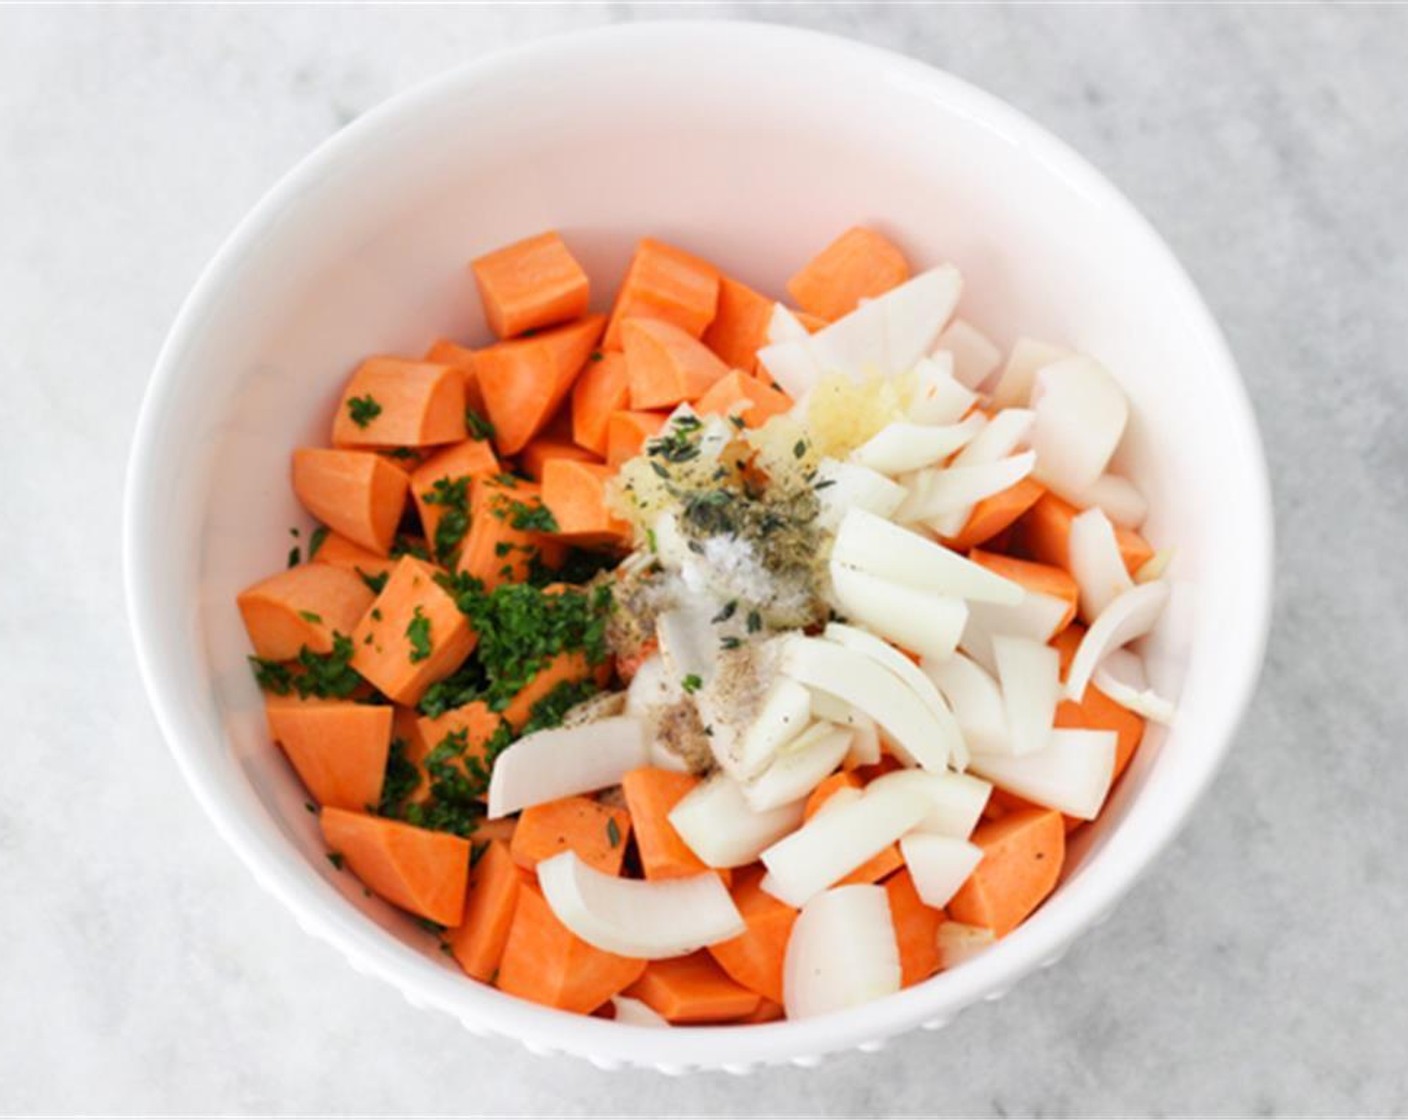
(609,1045)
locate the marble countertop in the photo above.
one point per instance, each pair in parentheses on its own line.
(1258,969)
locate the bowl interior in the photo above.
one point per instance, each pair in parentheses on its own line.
(606,138)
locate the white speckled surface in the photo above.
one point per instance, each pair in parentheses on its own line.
(1258,969)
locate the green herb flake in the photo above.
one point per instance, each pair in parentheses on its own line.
(311,616)
(477,426)
(430,926)
(651,542)
(727,612)
(730,642)
(377,584)
(310,807)
(692,683)
(316,539)
(659,469)
(418,634)
(452,496)
(363,410)
(294,556)
(799,448)
(336,859)
(535,518)
(271,676)
(755,622)
(613,832)
(597,355)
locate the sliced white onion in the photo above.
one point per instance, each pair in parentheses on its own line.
(1130,616)
(651,687)
(832,845)
(865,736)
(1121,677)
(900,446)
(1119,498)
(916,313)
(928,624)
(907,721)
(783,326)
(1072,773)
(910,675)
(975,699)
(1081,414)
(939,865)
(783,715)
(1003,435)
(954,490)
(1038,616)
(1029,673)
(842,953)
(956,801)
(715,821)
(635,1013)
(647,919)
(882,548)
(1154,567)
(852,486)
(799,767)
(792,365)
(1096,563)
(975,355)
(854,345)
(565,761)
(689,643)
(959,942)
(938,396)
(1014,385)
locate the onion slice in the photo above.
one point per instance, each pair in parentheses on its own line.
(1038,616)
(938,396)
(916,313)
(1096,563)
(830,846)
(644,919)
(783,715)
(882,548)
(959,942)
(1131,615)
(909,674)
(799,767)
(975,699)
(1081,414)
(927,623)
(975,355)
(784,326)
(901,446)
(842,953)
(956,801)
(1029,673)
(910,724)
(865,736)
(951,490)
(1121,678)
(564,761)
(792,365)
(850,485)
(1071,774)
(1014,384)
(1119,498)
(1002,436)
(939,865)
(715,821)
(635,1013)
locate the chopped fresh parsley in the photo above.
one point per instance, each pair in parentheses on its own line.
(336,859)
(502,549)
(311,616)
(376,582)
(363,410)
(535,518)
(418,634)
(401,453)
(309,807)
(294,556)
(328,676)
(452,495)
(692,683)
(316,539)
(613,832)
(271,676)
(401,779)
(477,426)
(430,925)
(406,546)
(461,687)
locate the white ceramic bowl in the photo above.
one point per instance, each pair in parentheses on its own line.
(753,145)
